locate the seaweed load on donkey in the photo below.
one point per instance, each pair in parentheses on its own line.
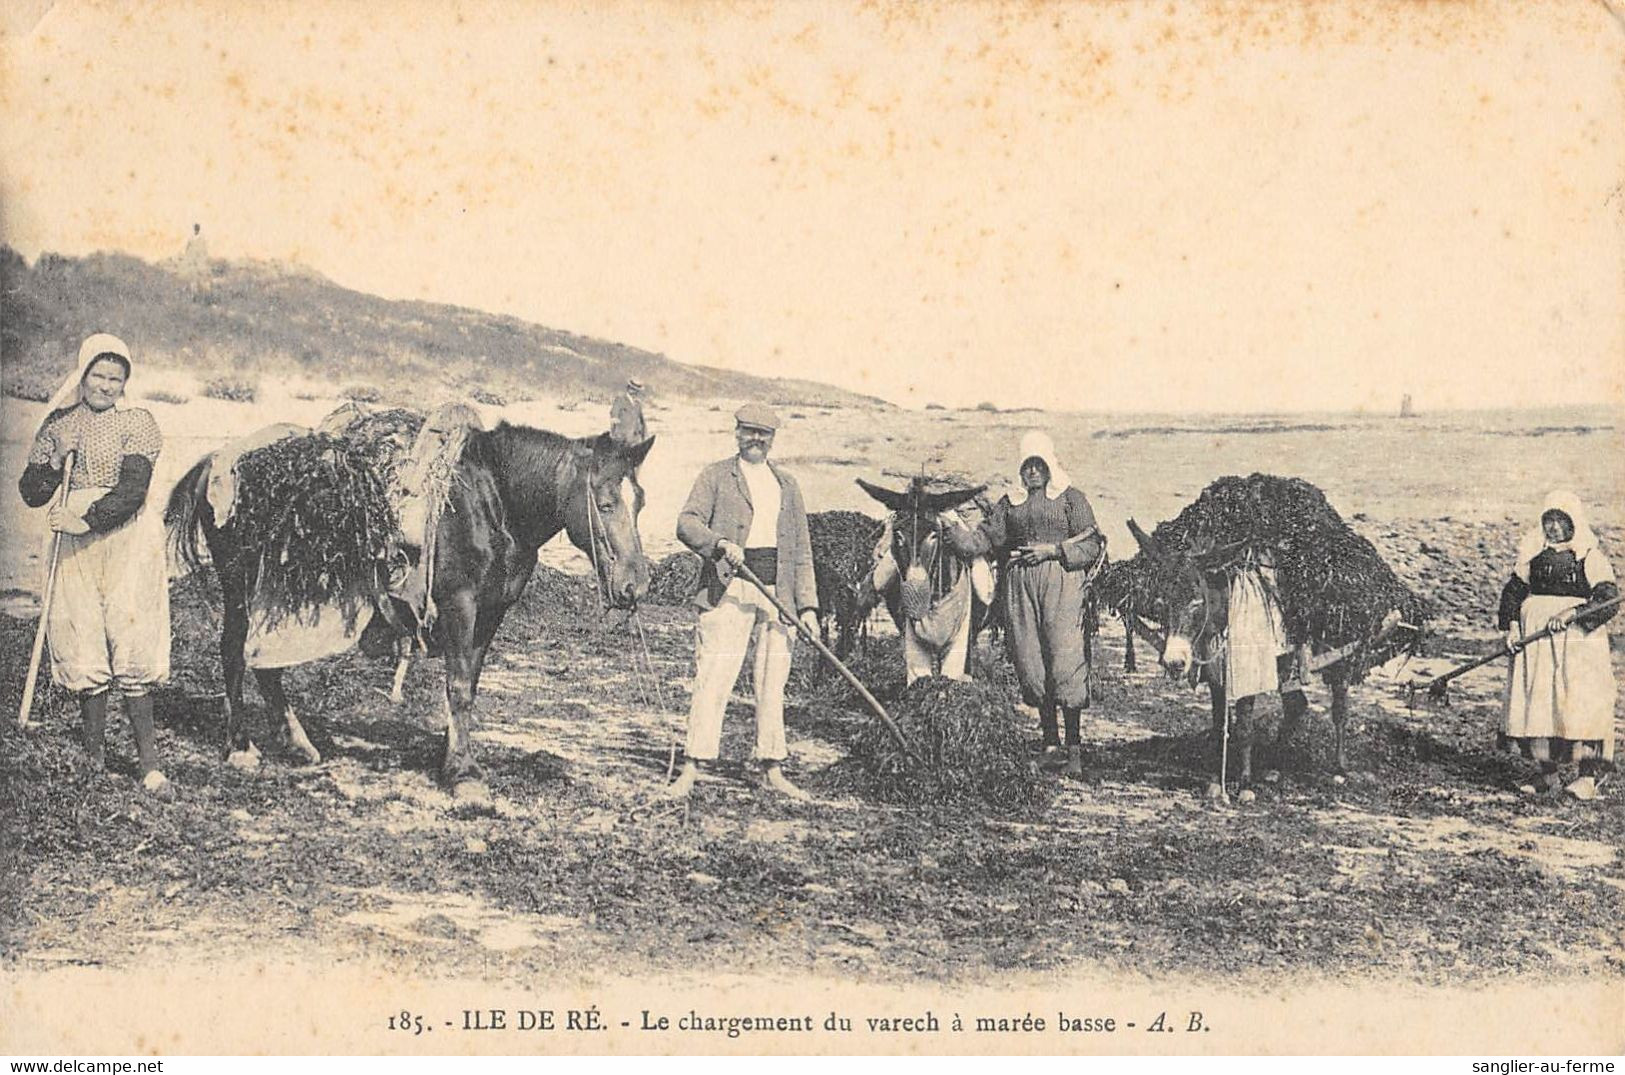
(1333,588)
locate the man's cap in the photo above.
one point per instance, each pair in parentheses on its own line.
(634,384)
(757,416)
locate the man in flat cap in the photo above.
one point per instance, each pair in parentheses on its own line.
(626,425)
(745,511)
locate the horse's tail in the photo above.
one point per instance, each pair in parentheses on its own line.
(184,516)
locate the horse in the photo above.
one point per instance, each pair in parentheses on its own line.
(1197,585)
(514,488)
(938,610)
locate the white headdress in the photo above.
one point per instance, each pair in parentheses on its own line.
(70,392)
(1037,443)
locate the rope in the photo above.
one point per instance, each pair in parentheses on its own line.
(660,695)
(594,528)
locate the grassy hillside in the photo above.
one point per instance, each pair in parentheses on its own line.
(264,318)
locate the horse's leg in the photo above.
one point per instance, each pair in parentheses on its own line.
(1340,715)
(463,657)
(233,636)
(270,684)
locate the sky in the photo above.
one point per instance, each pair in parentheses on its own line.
(1250,207)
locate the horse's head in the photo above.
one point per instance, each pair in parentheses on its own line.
(601,515)
(916,538)
(1196,595)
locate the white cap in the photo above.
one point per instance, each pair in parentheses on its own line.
(102,344)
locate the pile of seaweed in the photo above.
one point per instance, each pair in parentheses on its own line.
(1332,585)
(383,437)
(971,746)
(843,549)
(843,546)
(313,526)
(876,661)
(675,579)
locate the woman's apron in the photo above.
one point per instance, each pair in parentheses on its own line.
(1561,687)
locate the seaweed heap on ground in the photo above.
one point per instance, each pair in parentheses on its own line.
(314,525)
(877,662)
(675,579)
(1333,587)
(971,747)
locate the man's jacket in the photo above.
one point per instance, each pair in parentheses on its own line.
(719,509)
(626,423)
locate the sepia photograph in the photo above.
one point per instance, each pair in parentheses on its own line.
(796,528)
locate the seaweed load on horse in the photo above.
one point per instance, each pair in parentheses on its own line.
(316,529)
(296,520)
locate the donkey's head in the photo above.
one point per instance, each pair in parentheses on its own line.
(1196,595)
(915,518)
(926,568)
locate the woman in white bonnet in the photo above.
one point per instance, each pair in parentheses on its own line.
(108,624)
(1047,527)
(1560,691)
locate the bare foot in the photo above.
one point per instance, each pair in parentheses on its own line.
(774,779)
(158,786)
(679,788)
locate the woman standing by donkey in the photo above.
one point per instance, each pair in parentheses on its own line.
(1047,527)
(108,621)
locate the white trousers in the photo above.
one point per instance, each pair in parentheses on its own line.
(109,620)
(742,618)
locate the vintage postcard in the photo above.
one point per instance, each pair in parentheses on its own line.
(812,528)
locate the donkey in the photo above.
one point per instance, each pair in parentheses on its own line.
(938,608)
(1197,586)
(515,488)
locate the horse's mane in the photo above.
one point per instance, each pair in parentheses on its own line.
(523,454)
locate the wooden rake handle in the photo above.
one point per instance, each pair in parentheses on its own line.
(45,602)
(846,673)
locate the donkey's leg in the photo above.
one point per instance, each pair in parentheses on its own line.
(1128,644)
(270,683)
(1215,785)
(1294,704)
(233,636)
(1340,715)
(1243,735)
(1216,696)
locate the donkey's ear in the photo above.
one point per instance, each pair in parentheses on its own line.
(1148,544)
(894,501)
(939,502)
